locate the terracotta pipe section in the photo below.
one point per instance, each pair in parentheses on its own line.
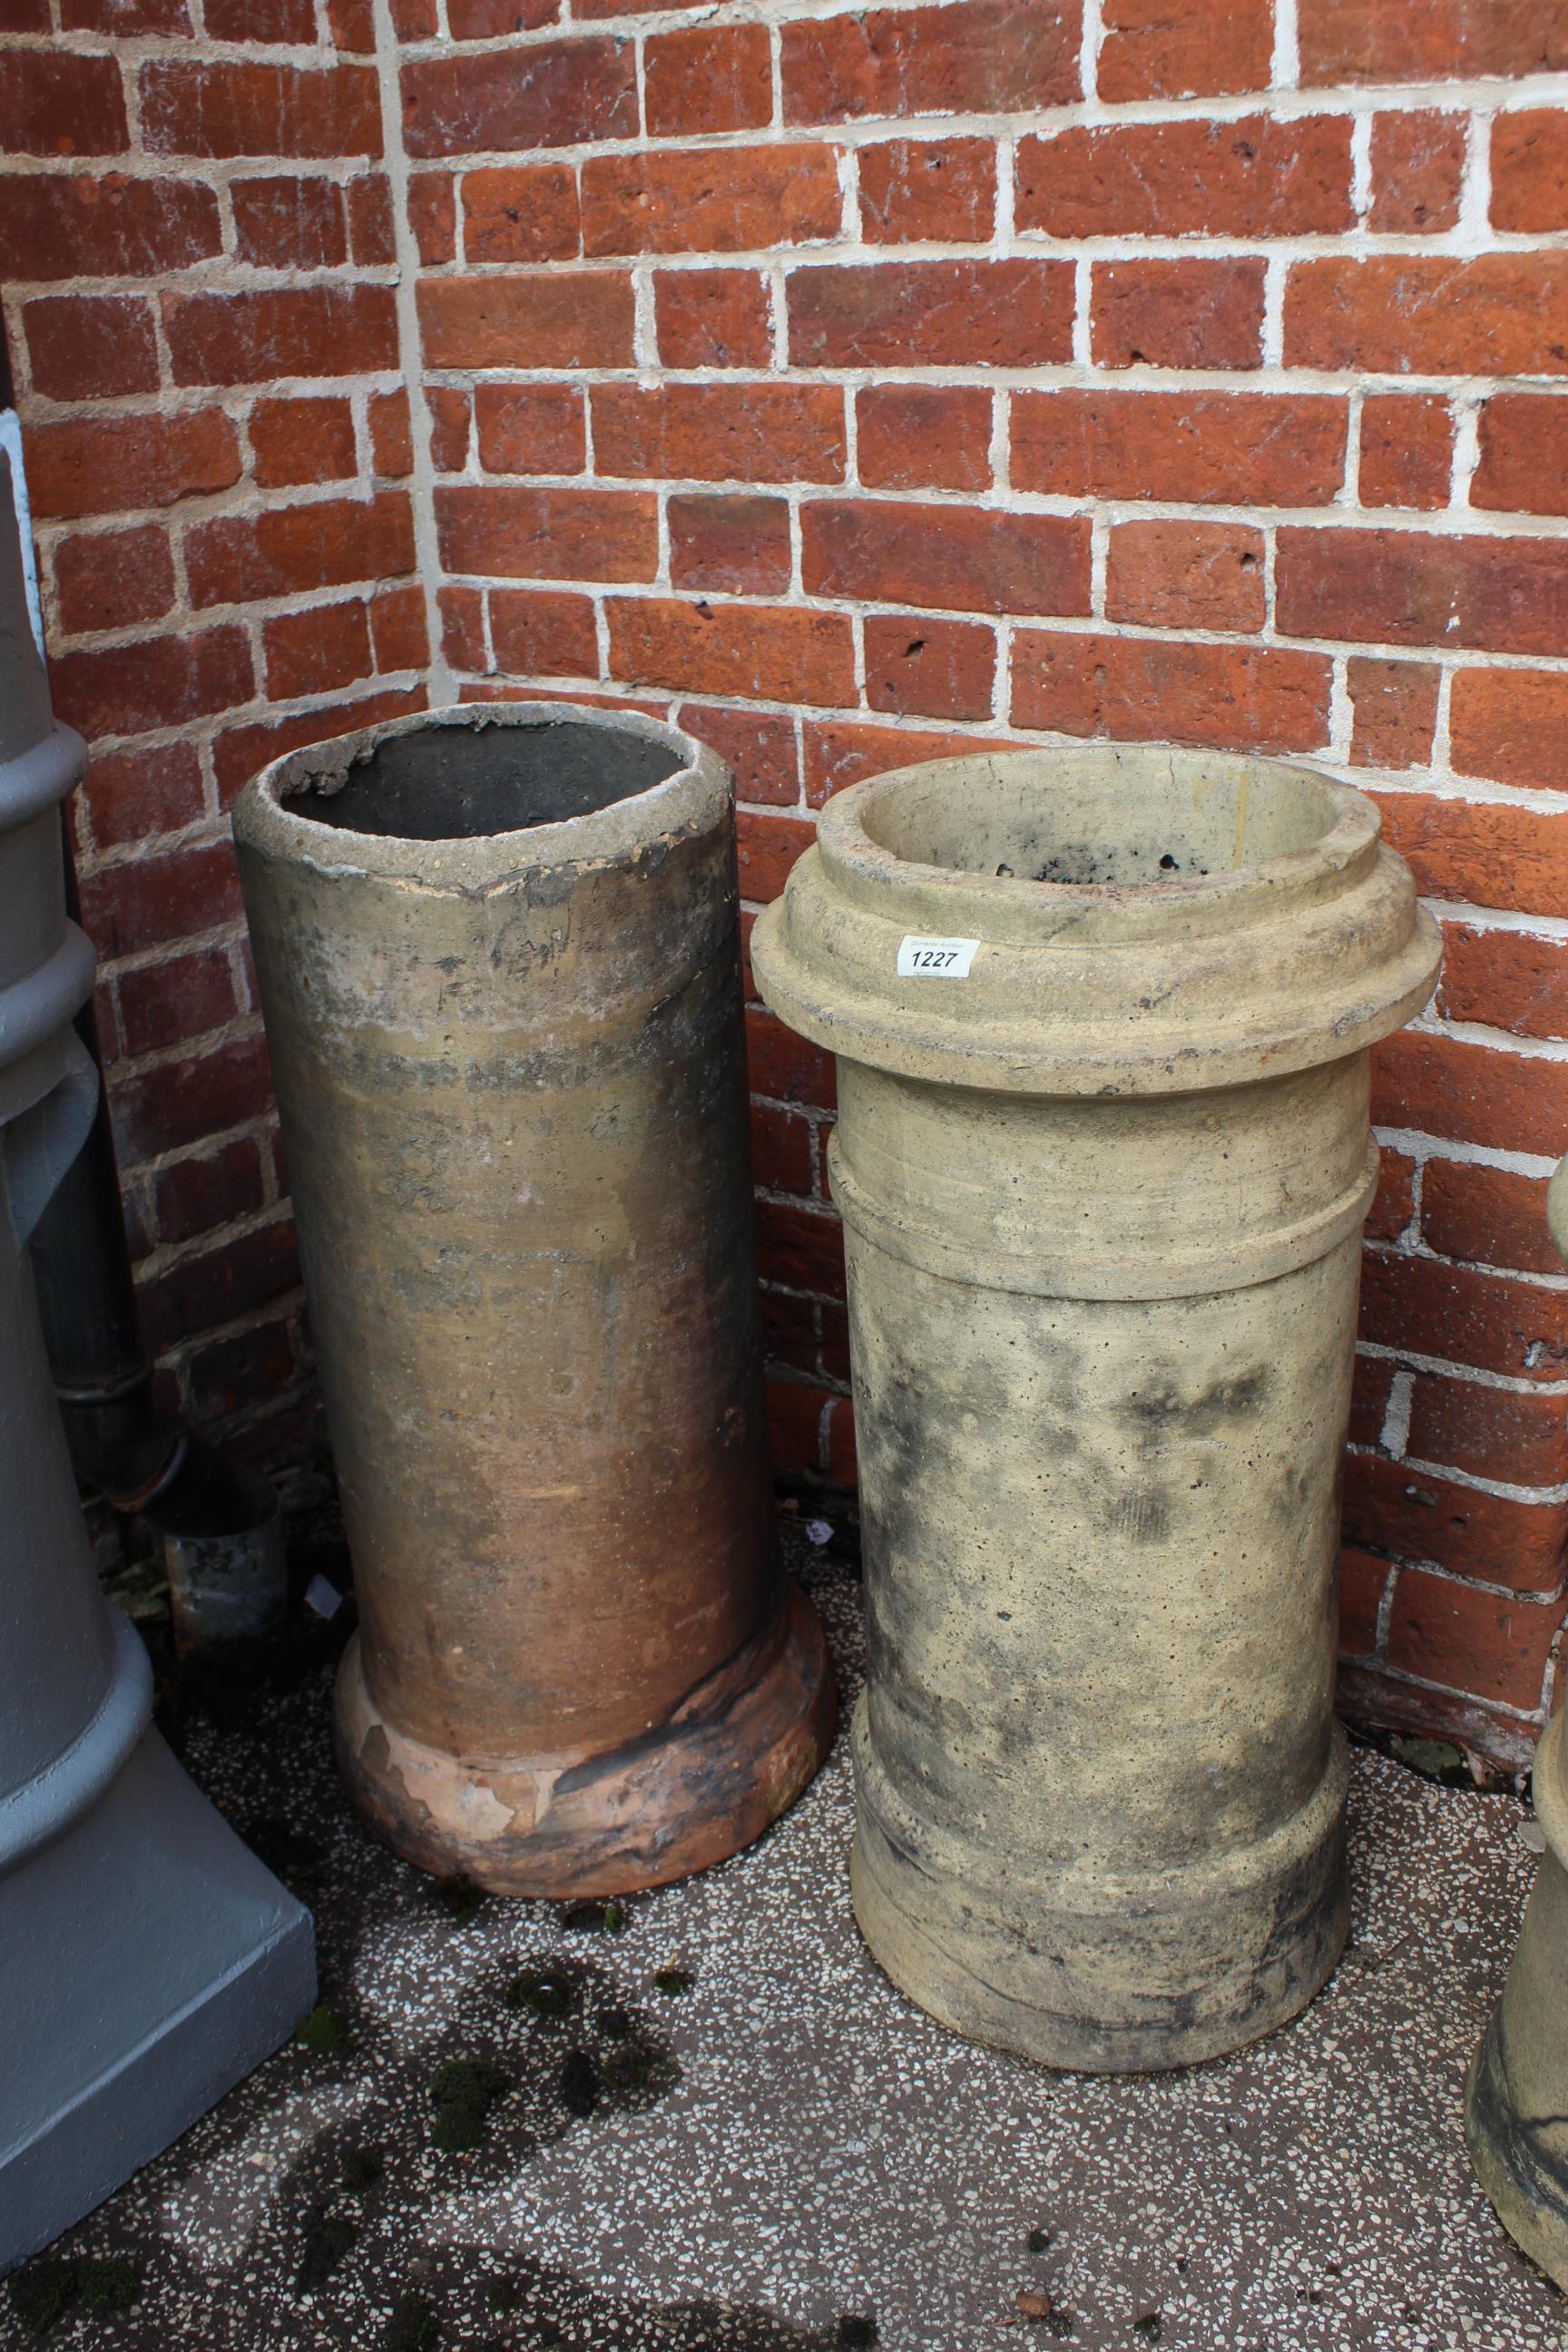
(498,963)
(1516,2100)
(1103,1158)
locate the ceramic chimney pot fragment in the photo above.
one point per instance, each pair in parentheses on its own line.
(1103,1158)
(1516,2100)
(499,961)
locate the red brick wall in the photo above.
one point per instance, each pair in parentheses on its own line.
(856,385)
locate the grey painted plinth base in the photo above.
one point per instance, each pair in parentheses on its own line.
(148,1963)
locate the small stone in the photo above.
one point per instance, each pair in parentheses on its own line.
(1150,2327)
(855,2332)
(1034,2303)
(1038,2241)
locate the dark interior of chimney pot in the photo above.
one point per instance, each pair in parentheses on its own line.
(458,783)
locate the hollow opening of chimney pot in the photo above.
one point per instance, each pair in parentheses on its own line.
(1126,830)
(460,783)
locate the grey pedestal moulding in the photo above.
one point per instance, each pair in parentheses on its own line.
(1103,1154)
(147,1960)
(1516,2101)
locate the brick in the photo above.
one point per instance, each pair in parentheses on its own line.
(502,532)
(920,436)
(1185,576)
(26,16)
(261,20)
(243,1273)
(1465,1315)
(1517,1439)
(1225,698)
(288,551)
(786,1067)
(571,92)
(527,214)
(248,1369)
(761,751)
(964,313)
(1251,178)
(559,319)
(450,418)
(391,434)
(1407,450)
(1442,41)
(1530,170)
(154,898)
(1205,49)
(953,559)
(1487,853)
(350,26)
(1506,979)
(1523,465)
(1186,314)
(766,849)
(1363,1582)
(181,997)
(316,649)
(372,234)
(542,634)
(1418,169)
(484,20)
(432,215)
(789,1324)
(740,544)
(930,669)
(1489,1216)
(308,440)
(416,20)
(710,200)
(1393,707)
(704,78)
(240,751)
(801,1245)
(795,1411)
(1465,1093)
(1511,725)
(135,793)
(289,222)
(166,682)
(533,428)
(335,330)
(774,653)
(1393,1204)
(783,1159)
(1230,448)
(1417,1514)
(109,579)
(463,628)
(1500,1743)
(927,191)
(90,346)
(972,56)
(117,464)
(57,225)
(56,102)
(720,432)
(399,634)
(713,318)
(1487,314)
(1497,1647)
(200,106)
(1415,588)
(843,752)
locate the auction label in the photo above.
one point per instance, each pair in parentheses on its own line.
(935,959)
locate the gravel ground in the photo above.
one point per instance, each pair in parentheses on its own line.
(712,2126)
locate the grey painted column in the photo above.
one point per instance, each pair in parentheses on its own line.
(147,1960)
